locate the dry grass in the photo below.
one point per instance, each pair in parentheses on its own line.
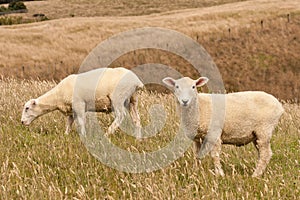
(47,44)
(56,9)
(258,59)
(40,162)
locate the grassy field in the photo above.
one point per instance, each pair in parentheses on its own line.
(41,162)
(56,9)
(254,44)
(258,57)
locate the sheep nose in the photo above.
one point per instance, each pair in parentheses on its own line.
(22,122)
(185,102)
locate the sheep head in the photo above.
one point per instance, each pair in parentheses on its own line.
(185,89)
(30,112)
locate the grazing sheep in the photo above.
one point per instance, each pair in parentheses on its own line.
(247,117)
(100,90)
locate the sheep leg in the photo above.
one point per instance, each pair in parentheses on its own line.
(133,106)
(119,116)
(197,147)
(264,156)
(81,123)
(70,120)
(215,154)
(79,115)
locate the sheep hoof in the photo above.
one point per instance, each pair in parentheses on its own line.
(201,154)
(109,132)
(219,172)
(255,175)
(138,133)
(83,132)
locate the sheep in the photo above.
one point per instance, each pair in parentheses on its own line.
(99,90)
(249,116)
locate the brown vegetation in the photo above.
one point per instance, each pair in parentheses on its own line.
(41,162)
(260,52)
(56,9)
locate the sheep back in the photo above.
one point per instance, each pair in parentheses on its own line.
(247,115)
(99,87)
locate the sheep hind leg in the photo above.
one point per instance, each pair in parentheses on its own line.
(264,156)
(70,121)
(134,113)
(215,154)
(119,116)
(80,116)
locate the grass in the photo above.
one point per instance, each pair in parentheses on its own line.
(41,162)
(258,58)
(56,9)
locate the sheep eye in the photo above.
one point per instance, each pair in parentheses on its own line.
(194,87)
(26,108)
(177,86)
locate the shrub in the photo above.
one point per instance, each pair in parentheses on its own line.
(11,20)
(3,9)
(9,1)
(16,5)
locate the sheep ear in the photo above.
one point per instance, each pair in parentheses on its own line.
(169,81)
(33,102)
(201,81)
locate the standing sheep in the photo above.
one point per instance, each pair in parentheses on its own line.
(100,90)
(244,117)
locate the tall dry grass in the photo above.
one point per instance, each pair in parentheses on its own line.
(66,42)
(56,9)
(40,162)
(249,57)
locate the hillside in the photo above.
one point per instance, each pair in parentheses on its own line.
(253,56)
(256,46)
(56,9)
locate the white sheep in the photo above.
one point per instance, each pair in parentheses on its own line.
(244,117)
(99,90)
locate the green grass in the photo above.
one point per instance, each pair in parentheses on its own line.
(41,162)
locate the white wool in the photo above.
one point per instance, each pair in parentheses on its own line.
(239,118)
(98,90)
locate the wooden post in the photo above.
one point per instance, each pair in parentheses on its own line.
(23,71)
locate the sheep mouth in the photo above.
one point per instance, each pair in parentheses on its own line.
(25,123)
(185,104)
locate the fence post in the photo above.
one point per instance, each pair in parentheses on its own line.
(23,72)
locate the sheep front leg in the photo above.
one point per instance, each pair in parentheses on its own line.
(197,147)
(264,156)
(81,124)
(215,154)
(69,123)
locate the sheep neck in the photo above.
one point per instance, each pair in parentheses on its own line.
(49,101)
(189,118)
